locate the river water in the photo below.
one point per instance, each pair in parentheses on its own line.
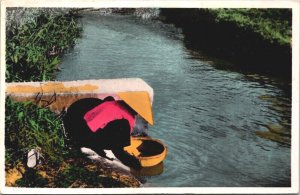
(206,116)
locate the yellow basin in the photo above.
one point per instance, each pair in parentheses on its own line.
(150,152)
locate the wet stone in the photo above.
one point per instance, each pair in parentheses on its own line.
(267,97)
(279,129)
(274,137)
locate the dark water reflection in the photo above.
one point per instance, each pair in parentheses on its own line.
(206,116)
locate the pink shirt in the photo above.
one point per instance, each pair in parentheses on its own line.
(106,112)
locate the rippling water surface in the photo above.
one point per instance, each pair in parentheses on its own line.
(206,116)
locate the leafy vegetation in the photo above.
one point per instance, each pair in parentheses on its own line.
(33,49)
(272,24)
(27,127)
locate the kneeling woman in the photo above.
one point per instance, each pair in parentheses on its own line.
(104,125)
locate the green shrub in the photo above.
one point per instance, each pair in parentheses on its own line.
(33,49)
(274,25)
(28,126)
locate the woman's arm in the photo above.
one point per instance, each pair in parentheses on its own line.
(126,158)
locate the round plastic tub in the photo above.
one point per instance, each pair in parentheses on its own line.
(150,152)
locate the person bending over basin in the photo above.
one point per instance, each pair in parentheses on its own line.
(104,125)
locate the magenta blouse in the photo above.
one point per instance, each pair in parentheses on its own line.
(101,115)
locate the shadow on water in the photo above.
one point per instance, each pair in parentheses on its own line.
(251,73)
(206,115)
(250,51)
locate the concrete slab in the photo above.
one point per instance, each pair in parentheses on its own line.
(58,95)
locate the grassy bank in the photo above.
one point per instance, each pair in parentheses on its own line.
(256,40)
(33,49)
(273,25)
(30,127)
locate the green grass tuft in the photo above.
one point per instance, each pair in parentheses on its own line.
(28,126)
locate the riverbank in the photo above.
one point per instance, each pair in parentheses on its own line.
(255,40)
